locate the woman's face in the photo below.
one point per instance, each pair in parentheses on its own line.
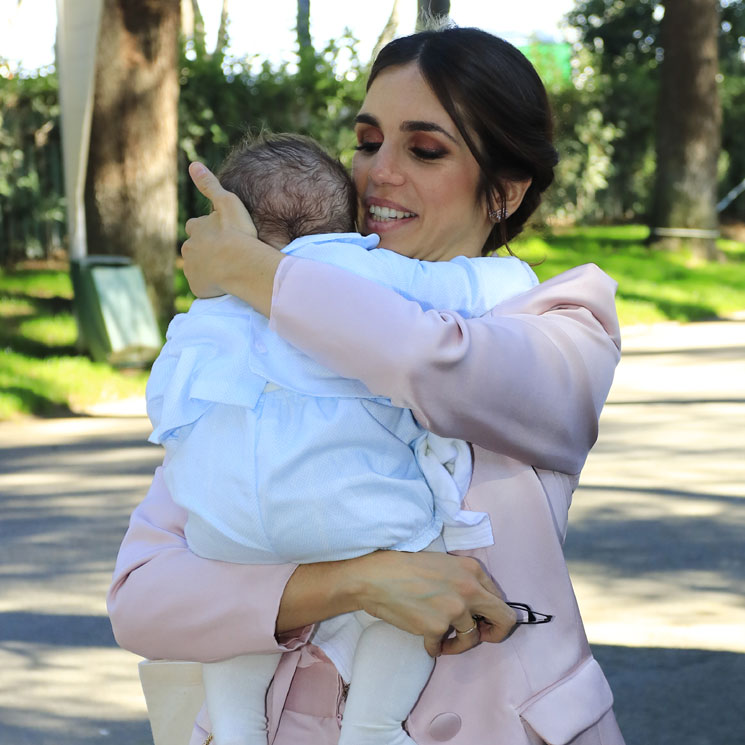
(415,176)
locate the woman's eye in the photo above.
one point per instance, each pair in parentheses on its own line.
(368,147)
(428,153)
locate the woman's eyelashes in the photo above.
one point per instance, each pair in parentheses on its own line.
(368,147)
(426,153)
(423,153)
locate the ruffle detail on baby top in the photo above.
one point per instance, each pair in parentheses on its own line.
(447,465)
(209,364)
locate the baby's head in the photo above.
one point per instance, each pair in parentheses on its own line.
(291,187)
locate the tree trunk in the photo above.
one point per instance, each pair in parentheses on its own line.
(306,53)
(196,32)
(388,33)
(430,9)
(222,32)
(303,23)
(688,128)
(130,195)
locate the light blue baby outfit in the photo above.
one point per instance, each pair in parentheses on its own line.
(278,459)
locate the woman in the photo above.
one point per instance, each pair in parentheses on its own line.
(453,153)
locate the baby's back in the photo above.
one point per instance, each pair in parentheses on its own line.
(301,479)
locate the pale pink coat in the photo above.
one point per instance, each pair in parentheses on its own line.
(525,384)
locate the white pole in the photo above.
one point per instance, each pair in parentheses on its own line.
(77,36)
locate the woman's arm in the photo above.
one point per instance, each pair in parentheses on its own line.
(166,602)
(527,380)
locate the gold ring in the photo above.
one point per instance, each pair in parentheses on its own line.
(467,631)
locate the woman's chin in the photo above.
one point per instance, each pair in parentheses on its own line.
(388,227)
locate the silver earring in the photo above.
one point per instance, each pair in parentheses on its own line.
(498,215)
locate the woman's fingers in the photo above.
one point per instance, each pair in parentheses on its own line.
(430,594)
(193,224)
(490,619)
(226,205)
(433,644)
(206,181)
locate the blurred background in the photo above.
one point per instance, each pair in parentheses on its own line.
(104,103)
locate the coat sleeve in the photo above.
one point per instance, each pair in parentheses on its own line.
(165,602)
(527,380)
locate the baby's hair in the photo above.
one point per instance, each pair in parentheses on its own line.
(291,187)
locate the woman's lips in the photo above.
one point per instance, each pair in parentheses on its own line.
(382,215)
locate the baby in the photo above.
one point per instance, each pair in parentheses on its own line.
(278,459)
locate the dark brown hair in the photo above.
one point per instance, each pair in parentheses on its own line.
(291,186)
(499,105)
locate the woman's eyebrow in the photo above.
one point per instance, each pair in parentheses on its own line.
(407,126)
(418,126)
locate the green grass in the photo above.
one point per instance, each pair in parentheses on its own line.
(653,286)
(42,372)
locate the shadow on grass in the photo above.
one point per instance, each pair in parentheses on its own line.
(30,402)
(42,307)
(32,348)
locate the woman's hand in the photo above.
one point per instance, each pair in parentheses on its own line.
(223,254)
(426,593)
(429,593)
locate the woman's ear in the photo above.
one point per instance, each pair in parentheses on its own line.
(514,191)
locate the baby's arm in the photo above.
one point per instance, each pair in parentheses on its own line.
(467,286)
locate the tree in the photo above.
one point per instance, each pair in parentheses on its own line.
(388,33)
(428,9)
(688,127)
(616,74)
(131,194)
(306,52)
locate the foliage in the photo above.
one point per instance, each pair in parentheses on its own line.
(224,98)
(221,98)
(603,92)
(617,69)
(32,211)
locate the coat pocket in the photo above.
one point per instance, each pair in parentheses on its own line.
(566,709)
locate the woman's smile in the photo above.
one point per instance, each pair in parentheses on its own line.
(382,215)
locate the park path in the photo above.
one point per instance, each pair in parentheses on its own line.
(655,546)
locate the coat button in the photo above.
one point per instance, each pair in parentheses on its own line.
(444,726)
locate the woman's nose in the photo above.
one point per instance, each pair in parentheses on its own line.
(386,169)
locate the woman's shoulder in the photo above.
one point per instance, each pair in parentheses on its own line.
(582,287)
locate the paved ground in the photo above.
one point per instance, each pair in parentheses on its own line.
(656,547)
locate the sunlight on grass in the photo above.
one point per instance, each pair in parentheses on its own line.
(11,307)
(54,331)
(41,372)
(653,286)
(57,384)
(36,283)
